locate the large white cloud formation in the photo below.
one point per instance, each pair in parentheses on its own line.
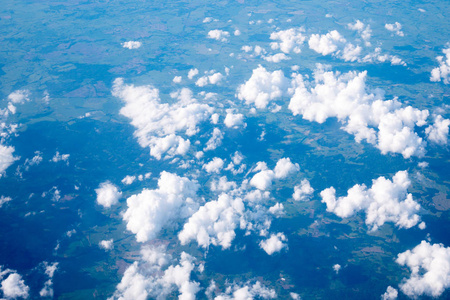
(443,71)
(13,286)
(384,123)
(275,243)
(236,291)
(430,270)
(108,194)
(157,124)
(6,158)
(262,87)
(149,211)
(385,201)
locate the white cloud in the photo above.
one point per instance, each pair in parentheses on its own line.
(219,35)
(215,141)
(390,294)
(438,131)
(237,32)
(157,124)
(106,244)
(326,43)
(396,28)
(148,278)
(14,286)
(363,30)
(337,268)
(215,78)
(128,179)
(262,87)
(263,179)
(274,244)
(365,114)
(149,211)
(60,157)
(177,79)
(47,290)
(443,71)
(108,194)
(385,201)
(245,292)
(233,120)
(214,166)
(290,40)
(276,58)
(4,199)
(6,158)
(132,45)
(430,270)
(303,191)
(192,73)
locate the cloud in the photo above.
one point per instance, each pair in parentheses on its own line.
(17,97)
(262,87)
(6,158)
(157,124)
(303,191)
(326,43)
(149,211)
(236,291)
(363,30)
(128,179)
(274,244)
(108,194)
(219,35)
(430,270)
(396,28)
(60,157)
(337,268)
(192,73)
(438,131)
(385,201)
(106,244)
(4,199)
(390,294)
(364,113)
(150,278)
(215,141)
(263,179)
(214,166)
(443,71)
(289,40)
(276,58)
(132,45)
(47,290)
(177,79)
(233,120)
(13,286)
(214,78)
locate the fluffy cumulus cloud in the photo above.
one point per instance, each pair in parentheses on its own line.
(152,277)
(443,71)
(275,243)
(390,294)
(438,131)
(303,191)
(128,179)
(132,45)
(386,201)
(263,179)
(159,125)
(17,97)
(214,166)
(149,211)
(263,87)
(387,124)
(50,269)
(219,35)
(215,140)
(108,194)
(396,28)
(214,78)
(233,120)
(12,285)
(288,40)
(326,43)
(364,30)
(430,270)
(6,158)
(106,244)
(236,291)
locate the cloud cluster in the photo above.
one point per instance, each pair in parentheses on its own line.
(157,124)
(303,191)
(215,140)
(385,201)
(443,71)
(13,286)
(275,243)
(214,166)
(384,123)
(219,35)
(132,45)
(6,158)
(150,277)
(262,87)
(289,40)
(396,28)
(149,211)
(233,120)
(108,194)
(263,179)
(390,294)
(47,290)
(430,270)
(236,291)
(364,31)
